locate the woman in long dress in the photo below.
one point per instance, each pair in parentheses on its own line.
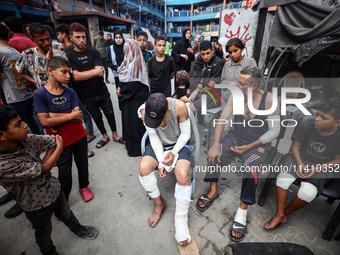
(115,54)
(133,91)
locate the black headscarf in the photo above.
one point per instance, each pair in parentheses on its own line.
(185,42)
(118,48)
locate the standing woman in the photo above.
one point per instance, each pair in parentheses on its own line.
(115,54)
(233,67)
(183,54)
(133,91)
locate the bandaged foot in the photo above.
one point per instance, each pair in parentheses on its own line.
(240,217)
(181,224)
(157,212)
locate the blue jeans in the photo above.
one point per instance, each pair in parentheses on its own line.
(25,111)
(41,222)
(87,118)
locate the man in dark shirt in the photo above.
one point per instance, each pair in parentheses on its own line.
(211,73)
(88,71)
(161,69)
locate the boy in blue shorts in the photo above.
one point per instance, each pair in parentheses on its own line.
(315,152)
(57,107)
(28,177)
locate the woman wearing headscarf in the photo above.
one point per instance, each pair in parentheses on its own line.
(115,54)
(183,54)
(133,91)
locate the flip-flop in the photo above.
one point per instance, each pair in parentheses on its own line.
(238,228)
(90,154)
(102,143)
(120,140)
(91,138)
(206,201)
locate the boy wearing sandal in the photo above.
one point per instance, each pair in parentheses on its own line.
(57,107)
(251,144)
(168,125)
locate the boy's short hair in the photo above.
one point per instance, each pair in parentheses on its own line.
(206,45)
(57,62)
(6,114)
(51,32)
(331,105)
(76,27)
(182,77)
(37,28)
(14,24)
(4,32)
(160,38)
(142,33)
(63,28)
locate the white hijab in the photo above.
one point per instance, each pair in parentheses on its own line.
(133,67)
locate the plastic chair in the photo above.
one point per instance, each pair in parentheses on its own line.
(293,79)
(195,146)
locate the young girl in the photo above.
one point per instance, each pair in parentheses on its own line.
(115,54)
(237,62)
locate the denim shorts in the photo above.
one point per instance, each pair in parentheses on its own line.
(184,153)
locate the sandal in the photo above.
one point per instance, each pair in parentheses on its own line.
(91,138)
(238,228)
(90,154)
(206,201)
(120,140)
(101,144)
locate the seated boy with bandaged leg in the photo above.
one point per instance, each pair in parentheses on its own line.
(168,125)
(315,153)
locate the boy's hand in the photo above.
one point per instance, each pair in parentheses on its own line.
(300,171)
(59,141)
(168,159)
(77,115)
(162,172)
(49,54)
(309,173)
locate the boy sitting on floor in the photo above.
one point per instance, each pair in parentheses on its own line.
(28,177)
(315,152)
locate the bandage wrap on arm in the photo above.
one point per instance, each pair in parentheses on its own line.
(156,144)
(184,137)
(273,129)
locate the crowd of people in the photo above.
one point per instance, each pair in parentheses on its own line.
(61,87)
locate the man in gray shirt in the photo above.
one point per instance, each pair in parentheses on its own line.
(99,43)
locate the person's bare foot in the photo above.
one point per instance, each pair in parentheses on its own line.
(183,243)
(156,214)
(236,235)
(211,195)
(275,221)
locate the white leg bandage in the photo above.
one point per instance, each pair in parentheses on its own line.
(149,183)
(181,222)
(241,216)
(183,194)
(307,192)
(284,180)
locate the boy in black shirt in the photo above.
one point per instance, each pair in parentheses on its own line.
(161,69)
(315,155)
